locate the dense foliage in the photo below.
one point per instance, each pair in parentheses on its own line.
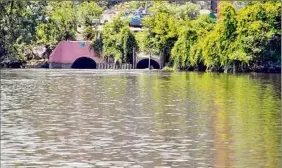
(24,24)
(163,26)
(238,39)
(118,41)
(18,23)
(247,38)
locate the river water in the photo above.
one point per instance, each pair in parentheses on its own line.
(98,118)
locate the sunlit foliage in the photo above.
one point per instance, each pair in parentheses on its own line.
(239,39)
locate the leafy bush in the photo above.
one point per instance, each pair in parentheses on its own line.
(168,69)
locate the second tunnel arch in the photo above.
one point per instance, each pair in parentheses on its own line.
(144,63)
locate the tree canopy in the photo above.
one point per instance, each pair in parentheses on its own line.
(246,38)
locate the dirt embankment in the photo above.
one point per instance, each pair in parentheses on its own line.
(36,57)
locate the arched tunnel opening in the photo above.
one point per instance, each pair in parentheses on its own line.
(84,63)
(143,64)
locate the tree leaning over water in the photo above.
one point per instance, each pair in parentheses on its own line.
(247,37)
(243,39)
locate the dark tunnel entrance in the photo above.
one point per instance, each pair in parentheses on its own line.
(143,64)
(84,63)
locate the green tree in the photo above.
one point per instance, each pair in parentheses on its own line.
(97,43)
(187,51)
(218,45)
(88,12)
(18,23)
(111,39)
(143,40)
(180,53)
(188,11)
(128,43)
(162,33)
(60,25)
(259,33)
(163,26)
(118,41)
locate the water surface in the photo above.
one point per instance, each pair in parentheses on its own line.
(98,118)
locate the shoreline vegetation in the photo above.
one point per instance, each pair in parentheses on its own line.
(238,40)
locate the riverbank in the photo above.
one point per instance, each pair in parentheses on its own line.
(43,63)
(14,63)
(182,38)
(257,69)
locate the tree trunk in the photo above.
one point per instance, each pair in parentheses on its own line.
(234,67)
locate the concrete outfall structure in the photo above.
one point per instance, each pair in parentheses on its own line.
(68,52)
(79,55)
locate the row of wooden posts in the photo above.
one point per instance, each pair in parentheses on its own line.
(117,66)
(114,66)
(122,66)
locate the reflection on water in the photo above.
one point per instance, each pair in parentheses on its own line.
(82,118)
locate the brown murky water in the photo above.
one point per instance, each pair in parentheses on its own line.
(82,118)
